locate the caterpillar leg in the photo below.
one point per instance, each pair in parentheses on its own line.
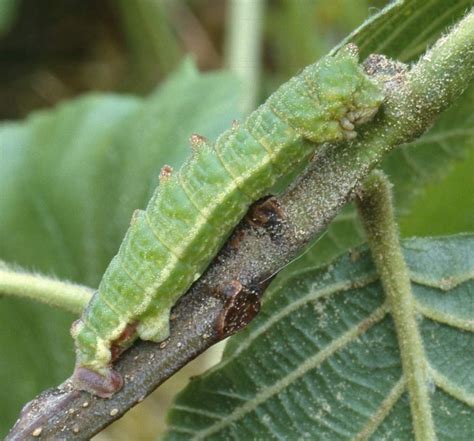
(155,327)
(93,372)
(104,385)
(354,118)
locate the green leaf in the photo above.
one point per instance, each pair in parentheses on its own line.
(70,180)
(299,32)
(444,204)
(322,360)
(405,28)
(8,13)
(153,43)
(395,32)
(431,157)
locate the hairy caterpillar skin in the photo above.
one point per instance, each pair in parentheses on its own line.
(193,211)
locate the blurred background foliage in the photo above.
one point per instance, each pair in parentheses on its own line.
(55,50)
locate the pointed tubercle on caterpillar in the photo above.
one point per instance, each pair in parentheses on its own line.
(197,141)
(165,173)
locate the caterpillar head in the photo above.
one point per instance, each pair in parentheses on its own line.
(347,93)
(367,94)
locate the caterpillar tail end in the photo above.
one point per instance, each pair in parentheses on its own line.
(104,386)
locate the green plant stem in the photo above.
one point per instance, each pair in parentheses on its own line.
(64,295)
(437,78)
(439,69)
(244,42)
(376,211)
(153,45)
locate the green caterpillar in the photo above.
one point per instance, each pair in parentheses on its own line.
(193,211)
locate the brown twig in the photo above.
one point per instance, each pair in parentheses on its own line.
(227,296)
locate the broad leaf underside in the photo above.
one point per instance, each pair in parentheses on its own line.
(322,361)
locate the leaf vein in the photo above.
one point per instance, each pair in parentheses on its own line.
(444,317)
(450,388)
(202,412)
(384,409)
(309,364)
(313,295)
(443,283)
(407,54)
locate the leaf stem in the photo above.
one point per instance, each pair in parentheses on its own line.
(375,207)
(244,42)
(447,64)
(65,295)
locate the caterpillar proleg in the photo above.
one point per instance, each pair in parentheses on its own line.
(193,210)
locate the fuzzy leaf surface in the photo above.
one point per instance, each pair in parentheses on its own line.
(322,360)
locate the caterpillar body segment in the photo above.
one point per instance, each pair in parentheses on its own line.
(194,210)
